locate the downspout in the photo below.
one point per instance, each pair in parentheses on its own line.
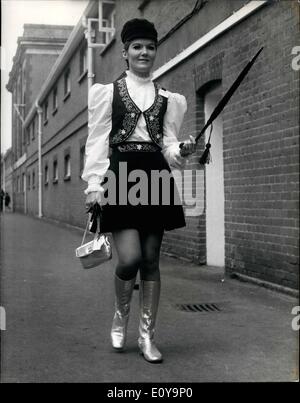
(88,36)
(40,174)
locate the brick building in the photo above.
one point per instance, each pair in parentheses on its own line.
(247,199)
(37,51)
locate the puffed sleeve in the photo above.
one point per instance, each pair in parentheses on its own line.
(173,119)
(97,144)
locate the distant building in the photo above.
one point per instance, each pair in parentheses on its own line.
(37,51)
(247,198)
(7,173)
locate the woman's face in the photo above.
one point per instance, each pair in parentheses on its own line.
(140,55)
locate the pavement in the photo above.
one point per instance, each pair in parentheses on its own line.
(58,318)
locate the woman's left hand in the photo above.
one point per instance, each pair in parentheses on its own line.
(189,147)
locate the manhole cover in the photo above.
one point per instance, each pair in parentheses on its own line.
(204,307)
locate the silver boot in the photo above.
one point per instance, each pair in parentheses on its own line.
(149,299)
(123,291)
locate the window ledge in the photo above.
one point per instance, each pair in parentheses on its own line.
(107,46)
(68,94)
(54,111)
(82,76)
(55,181)
(67,178)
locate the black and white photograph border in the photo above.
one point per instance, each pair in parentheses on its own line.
(220,287)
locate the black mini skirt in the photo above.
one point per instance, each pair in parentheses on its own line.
(135,195)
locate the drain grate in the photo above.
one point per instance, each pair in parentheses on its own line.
(204,307)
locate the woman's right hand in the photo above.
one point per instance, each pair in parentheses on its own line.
(92,198)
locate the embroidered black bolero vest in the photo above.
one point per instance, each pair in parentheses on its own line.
(125,115)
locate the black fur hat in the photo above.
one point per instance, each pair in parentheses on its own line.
(138,28)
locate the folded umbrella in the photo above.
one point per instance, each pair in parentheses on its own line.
(218,109)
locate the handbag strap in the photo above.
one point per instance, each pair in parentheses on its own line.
(90,217)
(86,228)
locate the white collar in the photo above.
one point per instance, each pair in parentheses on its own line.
(142,80)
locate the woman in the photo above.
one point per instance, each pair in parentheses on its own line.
(139,122)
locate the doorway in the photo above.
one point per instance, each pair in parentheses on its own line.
(214,179)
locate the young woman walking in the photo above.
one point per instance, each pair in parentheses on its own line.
(139,123)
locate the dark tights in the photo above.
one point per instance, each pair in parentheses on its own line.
(138,250)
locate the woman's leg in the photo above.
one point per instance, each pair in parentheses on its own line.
(149,293)
(150,246)
(127,243)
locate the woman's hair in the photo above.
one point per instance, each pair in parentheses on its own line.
(126,47)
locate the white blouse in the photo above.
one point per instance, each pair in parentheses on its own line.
(142,92)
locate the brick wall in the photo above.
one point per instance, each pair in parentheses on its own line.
(260,135)
(65,200)
(261,129)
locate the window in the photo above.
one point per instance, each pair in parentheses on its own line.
(67,84)
(33,179)
(108,22)
(28,132)
(83,60)
(46,112)
(67,167)
(55,103)
(33,129)
(46,175)
(23,182)
(55,171)
(81,159)
(28,181)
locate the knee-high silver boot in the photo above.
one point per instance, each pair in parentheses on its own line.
(123,296)
(149,299)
